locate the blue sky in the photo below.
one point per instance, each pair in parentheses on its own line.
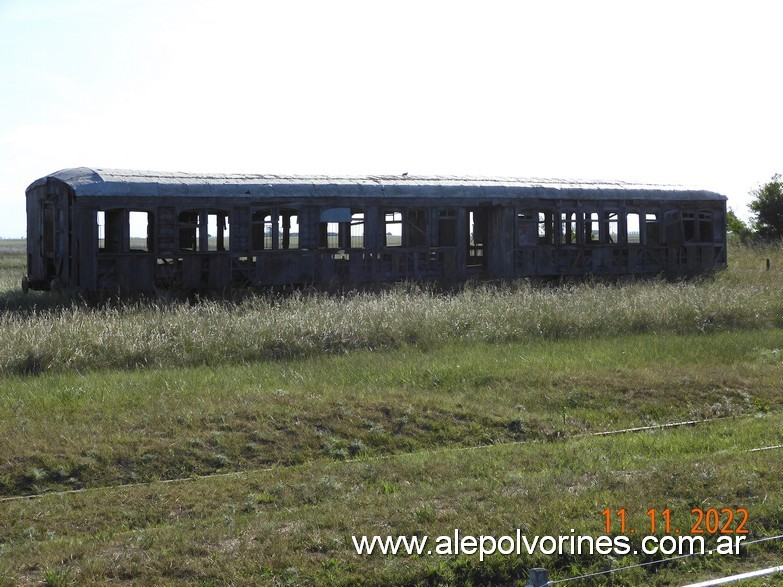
(684,92)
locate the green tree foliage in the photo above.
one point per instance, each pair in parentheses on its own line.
(737,227)
(767,208)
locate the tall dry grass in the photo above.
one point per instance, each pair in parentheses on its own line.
(157,333)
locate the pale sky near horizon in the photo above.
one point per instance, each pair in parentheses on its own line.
(679,92)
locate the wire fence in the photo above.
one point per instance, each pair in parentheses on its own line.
(740,577)
(243,472)
(538,577)
(541,577)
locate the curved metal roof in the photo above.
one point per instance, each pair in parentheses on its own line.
(121,183)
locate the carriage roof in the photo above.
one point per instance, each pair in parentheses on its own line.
(112,183)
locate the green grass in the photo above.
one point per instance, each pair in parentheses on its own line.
(13,246)
(303,420)
(120,427)
(12,266)
(294,525)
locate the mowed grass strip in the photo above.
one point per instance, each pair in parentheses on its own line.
(293,526)
(64,431)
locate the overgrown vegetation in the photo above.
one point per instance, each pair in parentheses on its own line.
(302,324)
(766,222)
(404,412)
(767,208)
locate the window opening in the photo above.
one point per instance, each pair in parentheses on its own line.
(123,230)
(393,228)
(357,230)
(546,230)
(288,229)
(101,221)
(272,229)
(705,227)
(652,230)
(477,236)
(261,230)
(114,231)
(673,231)
(592,228)
(689,227)
(334,228)
(633,233)
(611,229)
(331,235)
(188,229)
(141,230)
(568,228)
(217,231)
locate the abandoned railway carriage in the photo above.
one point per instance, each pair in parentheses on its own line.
(106,230)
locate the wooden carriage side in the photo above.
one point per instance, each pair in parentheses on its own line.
(115,230)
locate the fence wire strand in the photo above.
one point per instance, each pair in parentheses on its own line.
(656,562)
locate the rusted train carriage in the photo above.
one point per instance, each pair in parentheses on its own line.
(105,230)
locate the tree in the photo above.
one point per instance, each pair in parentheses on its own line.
(767,208)
(737,227)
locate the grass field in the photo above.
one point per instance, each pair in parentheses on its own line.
(246,443)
